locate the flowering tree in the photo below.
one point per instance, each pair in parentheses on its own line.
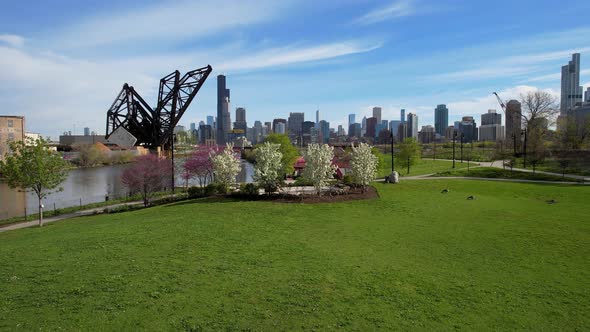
(199,165)
(225,167)
(147,175)
(364,165)
(34,168)
(318,165)
(269,167)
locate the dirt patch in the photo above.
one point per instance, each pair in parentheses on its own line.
(351,195)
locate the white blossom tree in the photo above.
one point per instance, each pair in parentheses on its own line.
(225,167)
(364,165)
(318,165)
(268,168)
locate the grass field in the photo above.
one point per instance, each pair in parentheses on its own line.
(415,259)
(490,172)
(423,167)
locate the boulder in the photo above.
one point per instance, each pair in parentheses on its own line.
(393,178)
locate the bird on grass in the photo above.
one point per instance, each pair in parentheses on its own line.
(445,191)
(470,198)
(551,201)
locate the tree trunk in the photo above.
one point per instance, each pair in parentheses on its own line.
(40,212)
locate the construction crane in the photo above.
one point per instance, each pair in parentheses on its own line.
(501,103)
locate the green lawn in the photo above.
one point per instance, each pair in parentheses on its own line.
(415,259)
(490,172)
(423,167)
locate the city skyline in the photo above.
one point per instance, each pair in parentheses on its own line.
(62,82)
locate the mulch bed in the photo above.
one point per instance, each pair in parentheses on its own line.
(352,195)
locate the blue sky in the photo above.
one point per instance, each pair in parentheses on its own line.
(62,62)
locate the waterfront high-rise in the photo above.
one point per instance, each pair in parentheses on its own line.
(513,122)
(223,116)
(377,114)
(240,123)
(571,91)
(441,119)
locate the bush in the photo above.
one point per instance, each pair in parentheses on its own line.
(215,188)
(249,189)
(348,179)
(196,192)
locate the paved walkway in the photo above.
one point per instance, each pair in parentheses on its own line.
(81,213)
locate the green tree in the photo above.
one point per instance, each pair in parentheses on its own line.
(287,149)
(408,153)
(90,155)
(34,168)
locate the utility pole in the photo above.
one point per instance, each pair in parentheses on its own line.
(454,139)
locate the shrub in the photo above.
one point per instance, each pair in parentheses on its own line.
(196,192)
(249,189)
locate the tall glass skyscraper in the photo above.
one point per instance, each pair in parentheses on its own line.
(441,119)
(403,115)
(223,117)
(571,91)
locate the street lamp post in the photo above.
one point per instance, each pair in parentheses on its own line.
(514,143)
(523,132)
(454,139)
(462,147)
(172,138)
(392,162)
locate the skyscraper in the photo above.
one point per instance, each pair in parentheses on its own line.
(571,91)
(351,119)
(513,122)
(441,119)
(341,131)
(275,123)
(377,114)
(491,127)
(394,126)
(403,115)
(193,126)
(468,127)
(223,117)
(317,118)
(86,131)
(241,123)
(210,120)
(324,131)
(371,129)
(412,126)
(295,123)
(587,95)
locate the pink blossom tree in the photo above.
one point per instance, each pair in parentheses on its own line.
(147,175)
(199,165)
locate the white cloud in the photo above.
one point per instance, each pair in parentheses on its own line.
(169,20)
(552,77)
(12,40)
(397,9)
(292,55)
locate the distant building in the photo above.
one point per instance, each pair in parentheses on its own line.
(402,131)
(275,123)
(12,128)
(71,140)
(257,134)
(324,132)
(427,134)
(31,137)
(205,134)
(355,130)
(394,126)
(86,131)
(295,123)
(223,107)
(587,95)
(571,91)
(402,115)
(317,118)
(468,127)
(193,126)
(491,127)
(211,121)
(351,119)
(240,122)
(441,119)
(377,114)
(371,130)
(340,131)
(281,128)
(306,127)
(412,130)
(450,133)
(513,123)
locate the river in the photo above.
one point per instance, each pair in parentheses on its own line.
(84,186)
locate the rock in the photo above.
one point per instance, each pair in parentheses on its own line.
(445,191)
(470,198)
(392,178)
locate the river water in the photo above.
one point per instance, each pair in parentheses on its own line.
(83,186)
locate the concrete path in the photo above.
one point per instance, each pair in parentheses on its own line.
(81,213)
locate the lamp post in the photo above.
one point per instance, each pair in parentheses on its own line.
(454,139)
(462,135)
(392,162)
(172,139)
(514,143)
(523,132)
